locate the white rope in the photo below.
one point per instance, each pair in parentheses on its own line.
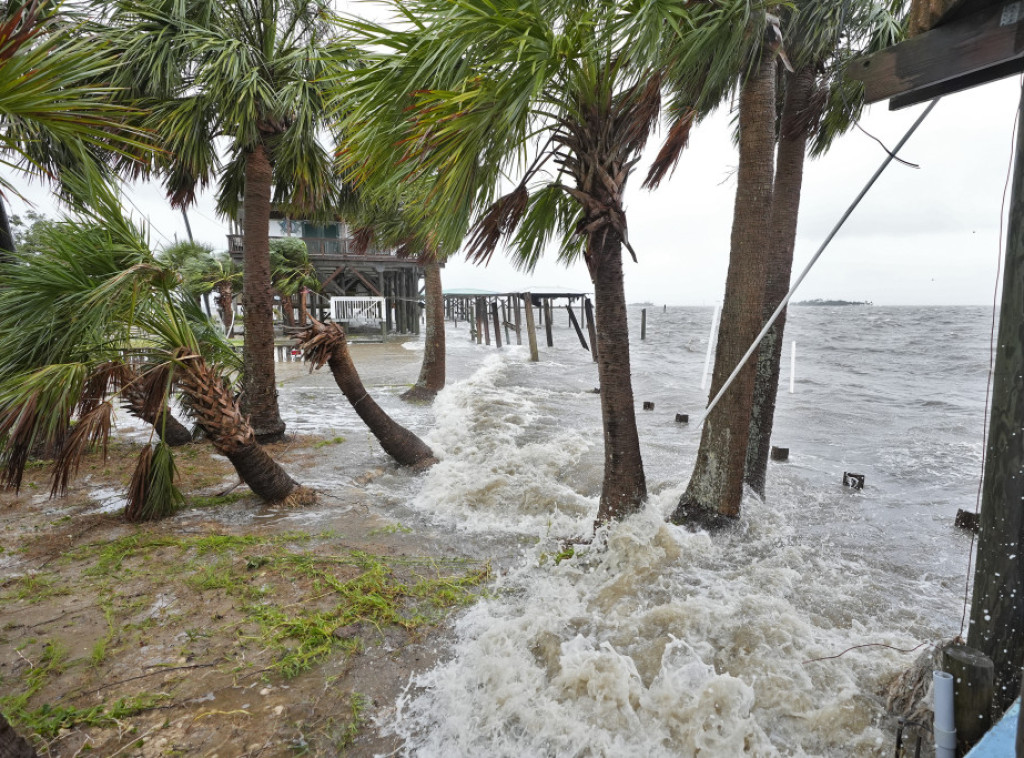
(835,230)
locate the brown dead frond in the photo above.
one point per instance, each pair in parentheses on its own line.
(92,429)
(319,341)
(809,119)
(23,433)
(639,110)
(145,393)
(105,378)
(499,221)
(361,239)
(668,156)
(300,497)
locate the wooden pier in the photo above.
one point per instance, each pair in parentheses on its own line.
(509,314)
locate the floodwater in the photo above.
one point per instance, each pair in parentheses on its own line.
(656,641)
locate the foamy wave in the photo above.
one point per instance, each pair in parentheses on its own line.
(657,642)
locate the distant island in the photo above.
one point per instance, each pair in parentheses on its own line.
(819,301)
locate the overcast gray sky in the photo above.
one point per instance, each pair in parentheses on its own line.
(922,236)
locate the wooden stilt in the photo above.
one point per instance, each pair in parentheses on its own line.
(973,690)
(497,323)
(479,313)
(531,331)
(576,326)
(487,328)
(519,333)
(547,323)
(643,324)
(591,328)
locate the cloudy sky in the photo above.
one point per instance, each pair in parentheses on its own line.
(928,235)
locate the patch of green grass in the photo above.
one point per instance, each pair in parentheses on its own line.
(325,443)
(34,588)
(395,528)
(212,501)
(48,720)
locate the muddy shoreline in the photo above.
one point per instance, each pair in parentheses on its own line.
(234,628)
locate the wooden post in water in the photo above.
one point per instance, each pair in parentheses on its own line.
(497,324)
(997,606)
(483,316)
(591,329)
(643,324)
(478,312)
(547,323)
(973,682)
(576,326)
(519,335)
(531,330)
(505,320)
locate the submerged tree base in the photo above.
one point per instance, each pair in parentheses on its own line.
(419,394)
(695,516)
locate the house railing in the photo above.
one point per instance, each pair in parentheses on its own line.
(317,246)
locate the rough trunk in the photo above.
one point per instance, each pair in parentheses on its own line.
(12,745)
(225,299)
(259,390)
(303,313)
(218,414)
(287,309)
(997,606)
(713,495)
(326,343)
(6,234)
(789,175)
(432,372)
(169,429)
(624,488)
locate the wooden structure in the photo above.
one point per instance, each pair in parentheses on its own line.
(510,312)
(961,44)
(345,273)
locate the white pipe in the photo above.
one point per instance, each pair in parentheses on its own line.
(814,259)
(711,346)
(945,730)
(792,368)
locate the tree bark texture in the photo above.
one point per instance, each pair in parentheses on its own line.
(259,389)
(326,343)
(225,300)
(12,745)
(715,490)
(789,176)
(624,488)
(997,606)
(6,233)
(432,371)
(218,414)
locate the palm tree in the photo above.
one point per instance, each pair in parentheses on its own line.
(292,273)
(326,344)
(252,72)
(819,105)
(91,317)
(57,113)
(560,98)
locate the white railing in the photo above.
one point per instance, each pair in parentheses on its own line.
(358,311)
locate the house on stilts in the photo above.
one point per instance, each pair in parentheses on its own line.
(377,289)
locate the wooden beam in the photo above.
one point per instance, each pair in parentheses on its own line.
(330,279)
(365,281)
(963,53)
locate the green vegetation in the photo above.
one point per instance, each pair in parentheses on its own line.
(395,528)
(212,501)
(325,443)
(274,605)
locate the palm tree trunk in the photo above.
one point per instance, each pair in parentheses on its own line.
(789,176)
(259,391)
(326,343)
(432,371)
(219,415)
(13,745)
(715,490)
(6,234)
(225,298)
(303,312)
(624,488)
(169,429)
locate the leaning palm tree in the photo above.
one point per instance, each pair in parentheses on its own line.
(93,317)
(292,273)
(557,99)
(253,72)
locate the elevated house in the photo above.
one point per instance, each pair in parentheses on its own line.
(344,273)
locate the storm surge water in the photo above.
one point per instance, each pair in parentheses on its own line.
(653,641)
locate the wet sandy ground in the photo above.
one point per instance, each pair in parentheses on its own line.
(169,638)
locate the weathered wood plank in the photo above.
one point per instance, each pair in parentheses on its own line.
(960,54)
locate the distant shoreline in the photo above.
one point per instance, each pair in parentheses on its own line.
(832,302)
